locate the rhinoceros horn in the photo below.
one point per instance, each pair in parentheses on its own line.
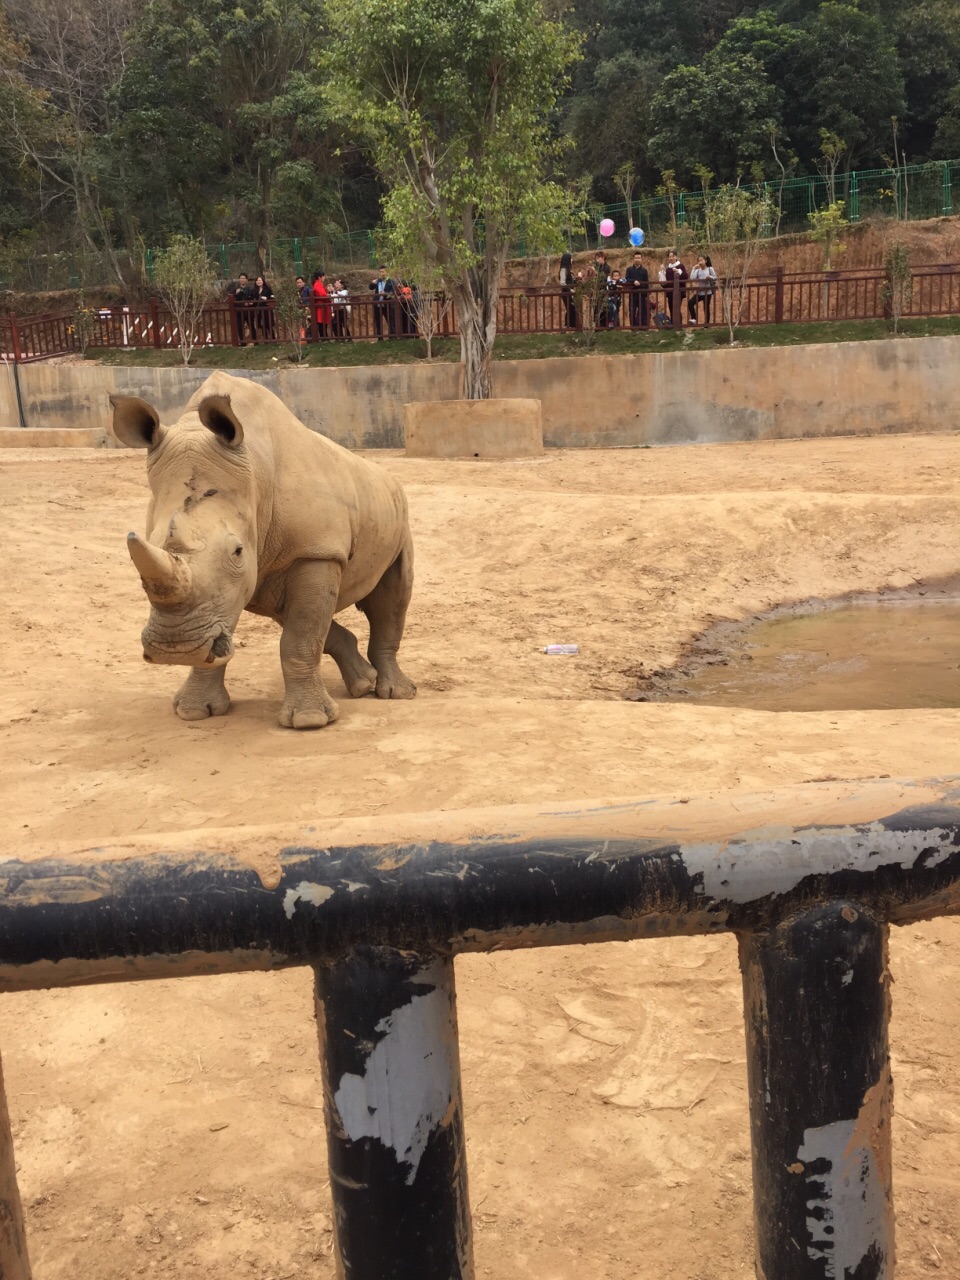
(166,579)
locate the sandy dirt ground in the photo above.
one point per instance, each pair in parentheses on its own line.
(174,1128)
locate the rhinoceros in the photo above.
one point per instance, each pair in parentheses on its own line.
(251,510)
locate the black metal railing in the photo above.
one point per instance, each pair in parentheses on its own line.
(779,298)
(809,880)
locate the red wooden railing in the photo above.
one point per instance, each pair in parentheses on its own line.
(781,298)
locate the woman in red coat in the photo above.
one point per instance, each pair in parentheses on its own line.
(321,301)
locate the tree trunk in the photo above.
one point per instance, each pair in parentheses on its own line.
(476,345)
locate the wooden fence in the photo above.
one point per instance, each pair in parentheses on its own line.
(781,298)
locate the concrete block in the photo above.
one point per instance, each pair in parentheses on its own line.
(473,429)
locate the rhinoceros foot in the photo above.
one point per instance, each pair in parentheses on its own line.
(311,712)
(392,683)
(202,694)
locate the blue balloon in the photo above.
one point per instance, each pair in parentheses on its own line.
(636,237)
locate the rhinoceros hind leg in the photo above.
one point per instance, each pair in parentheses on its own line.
(386,608)
(358,675)
(202,694)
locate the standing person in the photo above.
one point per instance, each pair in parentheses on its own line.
(637,280)
(263,302)
(244,294)
(703,278)
(303,293)
(675,271)
(340,299)
(601,266)
(321,303)
(567,283)
(385,291)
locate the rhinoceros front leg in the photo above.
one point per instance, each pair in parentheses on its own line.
(202,694)
(312,587)
(386,609)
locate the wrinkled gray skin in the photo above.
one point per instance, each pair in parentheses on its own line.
(251,510)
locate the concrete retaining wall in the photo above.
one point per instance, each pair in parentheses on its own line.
(473,428)
(907,384)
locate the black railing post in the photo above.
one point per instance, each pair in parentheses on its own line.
(14,1263)
(816,1000)
(391,1081)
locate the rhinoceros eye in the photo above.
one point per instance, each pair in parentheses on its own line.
(238,551)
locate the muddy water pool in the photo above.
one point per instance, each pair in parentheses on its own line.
(862,657)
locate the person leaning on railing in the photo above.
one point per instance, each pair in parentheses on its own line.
(567,284)
(637,283)
(675,271)
(384,290)
(340,300)
(244,295)
(263,298)
(321,302)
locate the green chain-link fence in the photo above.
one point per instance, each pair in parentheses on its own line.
(912,192)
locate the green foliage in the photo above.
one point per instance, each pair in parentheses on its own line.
(858,83)
(131,120)
(825,226)
(186,281)
(718,113)
(453,101)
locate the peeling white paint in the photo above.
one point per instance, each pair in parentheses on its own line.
(742,873)
(352,886)
(305,892)
(410,1081)
(846,1205)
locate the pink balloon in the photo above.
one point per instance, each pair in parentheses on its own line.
(607,227)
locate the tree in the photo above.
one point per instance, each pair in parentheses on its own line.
(22,108)
(186,281)
(454,100)
(832,149)
(825,226)
(946,142)
(221,99)
(71,55)
(719,113)
(734,221)
(609,117)
(625,180)
(928,46)
(858,84)
(897,289)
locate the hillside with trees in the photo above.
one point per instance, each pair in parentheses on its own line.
(126,123)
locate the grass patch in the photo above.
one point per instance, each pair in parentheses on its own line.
(535,346)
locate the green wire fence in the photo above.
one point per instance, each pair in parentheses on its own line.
(910,192)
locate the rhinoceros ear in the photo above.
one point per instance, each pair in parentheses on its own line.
(216,414)
(135,423)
